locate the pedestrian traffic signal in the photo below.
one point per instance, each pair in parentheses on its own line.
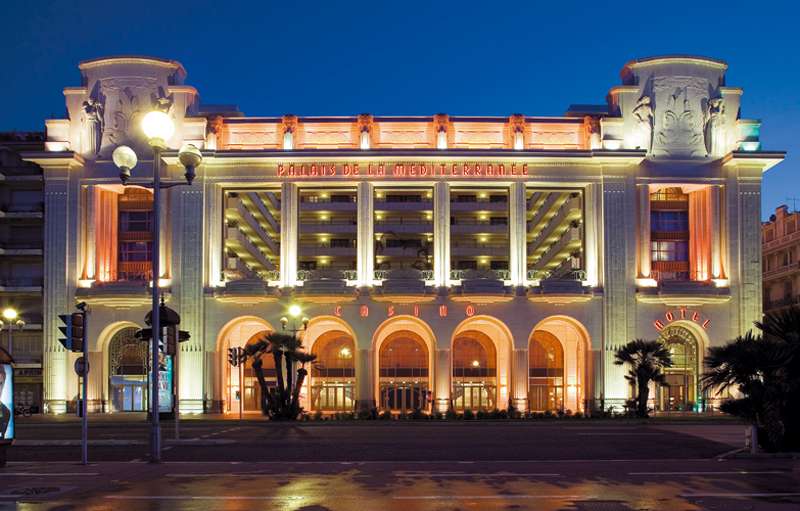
(72,331)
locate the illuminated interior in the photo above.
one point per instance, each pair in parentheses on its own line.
(479,236)
(554,233)
(333,374)
(474,372)
(404,381)
(403,227)
(328,230)
(252,234)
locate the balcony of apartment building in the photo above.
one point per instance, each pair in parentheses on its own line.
(326,285)
(481,286)
(19,285)
(253,250)
(482,224)
(328,201)
(258,223)
(30,210)
(406,224)
(551,212)
(478,201)
(467,248)
(21,248)
(328,223)
(421,200)
(404,285)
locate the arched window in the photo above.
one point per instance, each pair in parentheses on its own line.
(474,372)
(127,369)
(333,373)
(403,372)
(546,372)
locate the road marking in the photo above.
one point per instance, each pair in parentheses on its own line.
(739,495)
(49,474)
(207,497)
(601,433)
(715,473)
(490,497)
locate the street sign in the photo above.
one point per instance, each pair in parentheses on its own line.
(81,369)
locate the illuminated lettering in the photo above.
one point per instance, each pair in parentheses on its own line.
(658,324)
(443,311)
(705,324)
(669,316)
(470,311)
(416,310)
(363,311)
(390,311)
(338,311)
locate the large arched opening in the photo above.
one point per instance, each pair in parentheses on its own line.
(558,365)
(481,364)
(331,385)
(404,348)
(240,387)
(127,371)
(686,345)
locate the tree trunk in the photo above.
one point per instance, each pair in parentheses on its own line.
(277,355)
(289,377)
(644,396)
(301,376)
(257,367)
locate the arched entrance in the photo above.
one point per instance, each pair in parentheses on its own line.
(333,374)
(127,371)
(546,372)
(480,364)
(404,357)
(683,390)
(240,383)
(558,369)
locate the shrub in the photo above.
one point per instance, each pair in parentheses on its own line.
(468,415)
(451,414)
(318,415)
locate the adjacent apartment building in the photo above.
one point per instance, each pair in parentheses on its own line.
(781,241)
(21,271)
(443,261)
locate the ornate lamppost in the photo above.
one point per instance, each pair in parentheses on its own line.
(10,320)
(158,127)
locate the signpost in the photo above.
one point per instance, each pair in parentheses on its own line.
(75,340)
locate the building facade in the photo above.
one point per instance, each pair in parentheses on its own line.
(21,269)
(443,261)
(781,242)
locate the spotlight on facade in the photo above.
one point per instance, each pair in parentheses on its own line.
(125,159)
(158,127)
(475,363)
(190,157)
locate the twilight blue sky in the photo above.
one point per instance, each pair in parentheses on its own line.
(408,57)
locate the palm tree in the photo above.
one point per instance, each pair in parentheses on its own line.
(647,361)
(766,371)
(283,401)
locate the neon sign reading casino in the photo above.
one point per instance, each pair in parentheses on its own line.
(401,170)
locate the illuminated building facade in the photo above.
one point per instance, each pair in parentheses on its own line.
(444,261)
(781,242)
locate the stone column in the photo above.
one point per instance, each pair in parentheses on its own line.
(56,291)
(643,192)
(289,227)
(87,255)
(366,236)
(187,256)
(517,217)
(519,384)
(619,207)
(365,381)
(441,233)
(441,378)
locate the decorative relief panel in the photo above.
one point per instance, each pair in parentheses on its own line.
(555,136)
(479,135)
(404,135)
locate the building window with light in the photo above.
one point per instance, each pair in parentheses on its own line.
(252,234)
(135,235)
(403,226)
(328,231)
(669,234)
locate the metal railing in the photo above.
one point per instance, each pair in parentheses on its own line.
(499,274)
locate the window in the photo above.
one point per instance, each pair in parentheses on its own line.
(135,221)
(136,251)
(669,221)
(669,194)
(670,250)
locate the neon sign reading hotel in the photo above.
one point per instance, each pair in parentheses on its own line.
(471,170)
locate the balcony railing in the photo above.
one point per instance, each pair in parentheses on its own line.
(304,275)
(499,274)
(579,275)
(383,274)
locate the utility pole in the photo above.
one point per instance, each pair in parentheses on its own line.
(85,392)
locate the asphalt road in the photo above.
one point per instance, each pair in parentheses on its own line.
(403,466)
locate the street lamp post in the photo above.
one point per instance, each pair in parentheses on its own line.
(294,311)
(11,319)
(158,127)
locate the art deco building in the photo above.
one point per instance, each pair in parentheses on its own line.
(443,261)
(781,241)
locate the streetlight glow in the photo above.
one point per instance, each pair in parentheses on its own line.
(10,314)
(295,310)
(157,125)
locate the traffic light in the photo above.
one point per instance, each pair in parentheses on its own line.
(175,336)
(72,331)
(233,356)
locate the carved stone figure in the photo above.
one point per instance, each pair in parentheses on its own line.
(714,127)
(643,112)
(93,119)
(678,128)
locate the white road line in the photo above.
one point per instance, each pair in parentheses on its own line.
(207,497)
(399,474)
(739,495)
(601,433)
(715,473)
(49,474)
(490,497)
